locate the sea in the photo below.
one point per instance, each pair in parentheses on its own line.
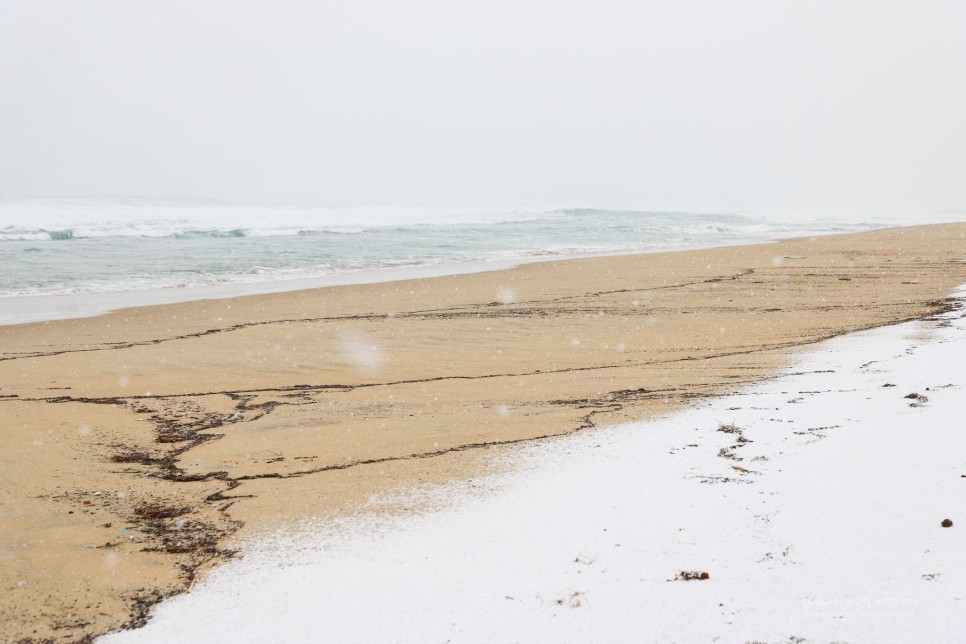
(68,257)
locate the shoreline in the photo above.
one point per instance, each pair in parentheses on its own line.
(172,434)
(30,309)
(86,292)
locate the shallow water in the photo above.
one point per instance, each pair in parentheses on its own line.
(64,246)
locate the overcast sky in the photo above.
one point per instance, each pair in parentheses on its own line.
(682,104)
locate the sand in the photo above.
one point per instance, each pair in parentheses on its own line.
(805,508)
(146,444)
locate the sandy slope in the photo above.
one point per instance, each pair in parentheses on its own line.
(140,445)
(814,502)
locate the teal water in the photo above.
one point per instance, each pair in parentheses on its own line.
(58,247)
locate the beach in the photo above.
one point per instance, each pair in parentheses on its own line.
(820,505)
(147,445)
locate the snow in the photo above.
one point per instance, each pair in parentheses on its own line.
(834,535)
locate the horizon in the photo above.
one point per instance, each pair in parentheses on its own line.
(543,208)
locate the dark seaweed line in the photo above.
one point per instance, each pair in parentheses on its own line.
(460,311)
(476,311)
(943,305)
(114,400)
(585,422)
(611,402)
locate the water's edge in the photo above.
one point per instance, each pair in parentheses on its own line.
(28,309)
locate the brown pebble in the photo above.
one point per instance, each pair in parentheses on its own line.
(947,523)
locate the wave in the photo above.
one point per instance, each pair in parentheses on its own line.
(234,232)
(65,219)
(107,245)
(83,218)
(194,278)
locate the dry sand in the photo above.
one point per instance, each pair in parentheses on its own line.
(141,445)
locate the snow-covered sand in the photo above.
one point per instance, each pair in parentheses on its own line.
(817,518)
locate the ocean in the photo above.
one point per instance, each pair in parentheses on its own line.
(78,256)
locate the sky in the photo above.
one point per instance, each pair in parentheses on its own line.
(677,104)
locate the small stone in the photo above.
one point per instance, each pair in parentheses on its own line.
(946,523)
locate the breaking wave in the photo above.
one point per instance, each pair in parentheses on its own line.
(64,246)
(61,219)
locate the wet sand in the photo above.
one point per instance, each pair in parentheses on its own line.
(143,445)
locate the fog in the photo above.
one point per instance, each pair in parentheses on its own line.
(691,105)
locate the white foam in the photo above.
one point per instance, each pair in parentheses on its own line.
(37,219)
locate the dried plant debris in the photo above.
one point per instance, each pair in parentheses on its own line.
(691,575)
(740,441)
(574,599)
(148,511)
(721,479)
(133,456)
(918,400)
(817,433)
(729,428)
